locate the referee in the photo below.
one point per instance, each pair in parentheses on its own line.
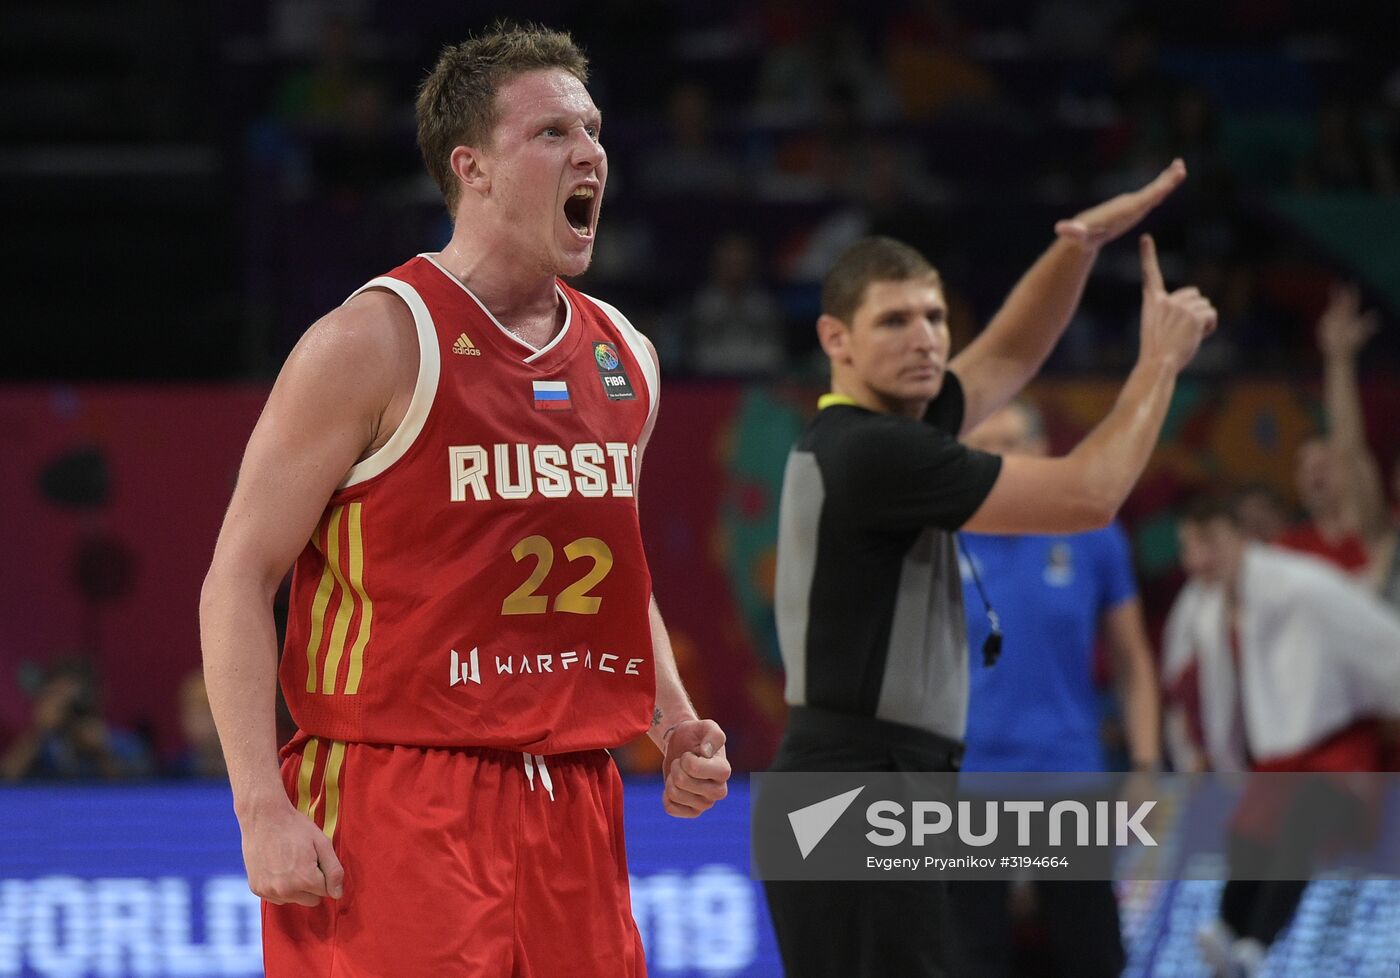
(869,598)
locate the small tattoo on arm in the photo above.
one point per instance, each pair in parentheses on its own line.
(656,717)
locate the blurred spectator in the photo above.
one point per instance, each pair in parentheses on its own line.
(689,162)
(808,56)
(1395,486)
(1193,133)
(1139,88)
(734,324)
(1260,511)
(1074,28)
(359,156)
(1339,481)
(824,161)
(1343,158)
(891,195)
(1278,662)
(318,95)
(1342,332)
(1330,530)
(67,737)
(1314,655)
(201,756)
(1385,559)
(331,125)
(925,63)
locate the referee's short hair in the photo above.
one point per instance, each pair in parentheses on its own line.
(874,259)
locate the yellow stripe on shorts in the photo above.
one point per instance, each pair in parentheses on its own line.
(308,765)
(331,788)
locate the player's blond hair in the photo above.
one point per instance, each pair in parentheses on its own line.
(457,101)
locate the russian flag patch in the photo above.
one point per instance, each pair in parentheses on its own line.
(551,395)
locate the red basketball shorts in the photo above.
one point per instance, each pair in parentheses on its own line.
(459,863)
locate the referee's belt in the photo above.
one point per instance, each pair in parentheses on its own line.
(907,748)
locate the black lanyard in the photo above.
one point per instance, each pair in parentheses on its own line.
(991,648)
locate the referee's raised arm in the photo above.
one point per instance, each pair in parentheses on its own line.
(1084,489)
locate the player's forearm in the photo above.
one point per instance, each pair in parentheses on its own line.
(1112,457)
(672,704)
(1034,316)
(239,640)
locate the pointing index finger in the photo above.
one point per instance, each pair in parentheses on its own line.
(1151,272)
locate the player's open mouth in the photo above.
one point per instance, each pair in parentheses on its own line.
(578,211)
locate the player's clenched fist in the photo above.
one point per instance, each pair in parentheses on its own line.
(696,768)
(1173,323)
(289,859)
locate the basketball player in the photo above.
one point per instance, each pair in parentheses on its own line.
(451,460)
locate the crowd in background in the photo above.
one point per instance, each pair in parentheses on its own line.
(1344,624)
(749,146)
(274,167)
(68,738)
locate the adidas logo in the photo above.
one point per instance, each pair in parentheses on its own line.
(465,347)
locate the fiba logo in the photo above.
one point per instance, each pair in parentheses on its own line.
(606,355)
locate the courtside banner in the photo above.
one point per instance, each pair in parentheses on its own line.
(881,826)
(146,881)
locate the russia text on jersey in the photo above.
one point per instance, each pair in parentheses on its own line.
(517,470)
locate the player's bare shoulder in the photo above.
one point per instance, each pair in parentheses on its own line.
(361,360)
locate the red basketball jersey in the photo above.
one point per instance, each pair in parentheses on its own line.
(480,580)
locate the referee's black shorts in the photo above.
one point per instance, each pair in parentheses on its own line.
(850,929)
